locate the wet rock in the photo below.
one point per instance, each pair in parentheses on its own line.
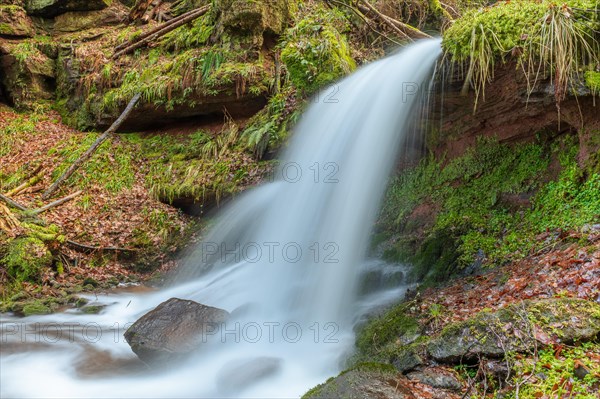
(243,373)
(35,308)
(15,22)
(174,329)
(52,8)
(517,328)
(436,378)
(363,383)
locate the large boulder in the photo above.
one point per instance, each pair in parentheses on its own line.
(52,8)
(80,20)
(26,73)
(173,330)
(517,328)
(15,22)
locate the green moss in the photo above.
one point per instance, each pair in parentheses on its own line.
(558,365)
(315,53)
(489,205)
(111,165)
(394,325)
(36,308)
(26,258)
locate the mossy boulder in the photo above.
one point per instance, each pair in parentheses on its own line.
(255,16)
(15,22)
(26,258)
(393,327)
(316,53)
(80,20)
(28,74)
(35,308)
(52,8)
(517,328)
(366,381)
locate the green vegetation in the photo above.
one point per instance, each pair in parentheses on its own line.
(490,204)
(571,371)
(547,39)
(26,258)
(111,166)
(199,167)
(315,52)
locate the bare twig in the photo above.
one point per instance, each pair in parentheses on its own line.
(55,203)
(165,28)
(13,203)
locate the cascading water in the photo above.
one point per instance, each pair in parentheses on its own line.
(284,258)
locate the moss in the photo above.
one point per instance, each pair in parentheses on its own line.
(36,308)
(26,258)
(394,325)
(315,53)
(488,205)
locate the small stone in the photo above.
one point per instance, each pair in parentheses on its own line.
(580,370)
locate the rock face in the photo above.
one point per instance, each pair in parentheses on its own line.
(15,22)
(507,112)
(52,8)
(174,329)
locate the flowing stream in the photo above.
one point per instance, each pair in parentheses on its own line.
(286,258)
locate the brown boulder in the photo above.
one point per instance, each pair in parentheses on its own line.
(174,329)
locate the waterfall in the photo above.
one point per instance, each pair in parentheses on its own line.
(284,257)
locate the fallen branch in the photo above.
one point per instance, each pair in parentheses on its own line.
(86,155)
(154,30)
(90,248)
(55,203)
(13,203)
(365,20)
(23,186)
(164,29)
(403,30)
(8,222)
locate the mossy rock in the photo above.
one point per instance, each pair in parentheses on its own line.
(243,17)
(516,328)
(80,20)
(394,326)
(28,74)
(365,381)
(26,258)
(52,8)
(15,22)
(35,308)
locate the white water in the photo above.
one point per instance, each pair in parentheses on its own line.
(294,251)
